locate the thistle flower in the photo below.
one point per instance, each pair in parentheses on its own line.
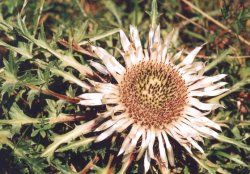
(154,96)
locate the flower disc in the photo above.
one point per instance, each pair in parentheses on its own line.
(154,94)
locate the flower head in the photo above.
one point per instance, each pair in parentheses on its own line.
(155,96)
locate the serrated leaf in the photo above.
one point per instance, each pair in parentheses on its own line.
(232,157)
(203,164)
(4,25)
(18,118)
(23,50)
(236,132)
(237,143)
(84,143)
(43,133)
(34,132)
(64,169)
(244,72)
(80,32)
(31,96)
(4,137)
(8,87)
(66,138)
(10,69)
(114,10)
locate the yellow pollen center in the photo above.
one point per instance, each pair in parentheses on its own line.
(154,94)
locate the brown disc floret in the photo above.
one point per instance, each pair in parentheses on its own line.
(154,94)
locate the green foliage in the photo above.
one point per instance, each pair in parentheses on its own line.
(44,54)
(238,17)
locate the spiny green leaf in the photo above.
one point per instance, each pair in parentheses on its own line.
(18,118)
(64,169)
(4,137)
(66,138)
(114,9)
(154,14)
(21,50)
(80,32)
(234,142)
(232,157)
(32,94)
(219,59)
(84,143)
